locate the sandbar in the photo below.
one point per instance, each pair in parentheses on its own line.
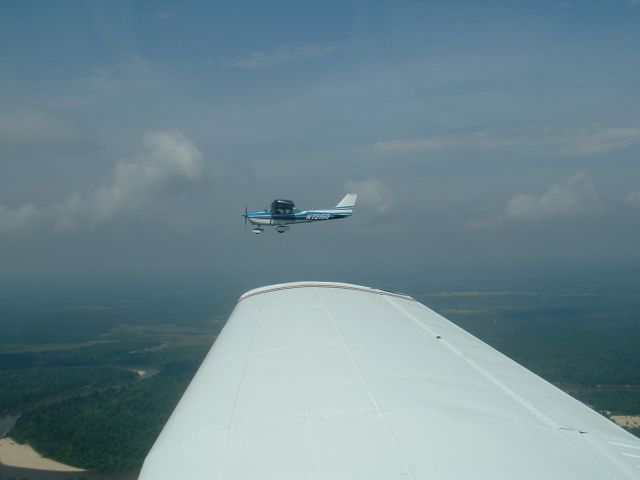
(15,455)
(629,421)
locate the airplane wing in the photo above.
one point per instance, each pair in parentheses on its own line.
(329,380)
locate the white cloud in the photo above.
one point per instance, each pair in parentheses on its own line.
(129,71)
(282,55)
(168,165)
(602,141)
(634,199)
(441,142)
(374,201)
(575,197)
(374,197)
(16,219)
(578,142)
(35,130)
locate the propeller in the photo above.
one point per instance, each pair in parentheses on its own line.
(245,215)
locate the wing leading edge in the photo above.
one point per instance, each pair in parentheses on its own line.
(329,380)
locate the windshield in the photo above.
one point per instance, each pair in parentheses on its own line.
(282,207)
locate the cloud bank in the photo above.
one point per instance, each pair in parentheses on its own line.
(582,142)
(573,198)
(168,165)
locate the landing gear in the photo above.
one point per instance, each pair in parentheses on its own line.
(279,228)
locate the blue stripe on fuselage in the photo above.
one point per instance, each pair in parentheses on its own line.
(300,217)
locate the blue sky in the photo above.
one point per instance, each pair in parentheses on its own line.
(477,134)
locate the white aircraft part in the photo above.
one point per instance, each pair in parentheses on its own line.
(260,221)
(349,201)
(328,380)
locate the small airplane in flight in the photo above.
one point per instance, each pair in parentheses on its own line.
(284,213)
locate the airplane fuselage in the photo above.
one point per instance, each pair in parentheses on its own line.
(264,217)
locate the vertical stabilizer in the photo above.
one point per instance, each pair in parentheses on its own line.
(349,201)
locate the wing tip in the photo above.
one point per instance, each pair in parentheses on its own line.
(313,284)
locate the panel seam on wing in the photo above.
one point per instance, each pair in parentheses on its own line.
(366,386)
(314,449)
(537,412)
(312,388)
(244,366)
(411,378)
(358,412)
(223,449)
(303,348)
(623,466)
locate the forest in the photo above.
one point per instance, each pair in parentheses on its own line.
(110,430)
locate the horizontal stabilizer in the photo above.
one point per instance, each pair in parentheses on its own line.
(349,201)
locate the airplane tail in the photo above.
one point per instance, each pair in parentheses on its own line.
(349,201)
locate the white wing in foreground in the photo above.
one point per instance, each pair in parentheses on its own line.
(327,380)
